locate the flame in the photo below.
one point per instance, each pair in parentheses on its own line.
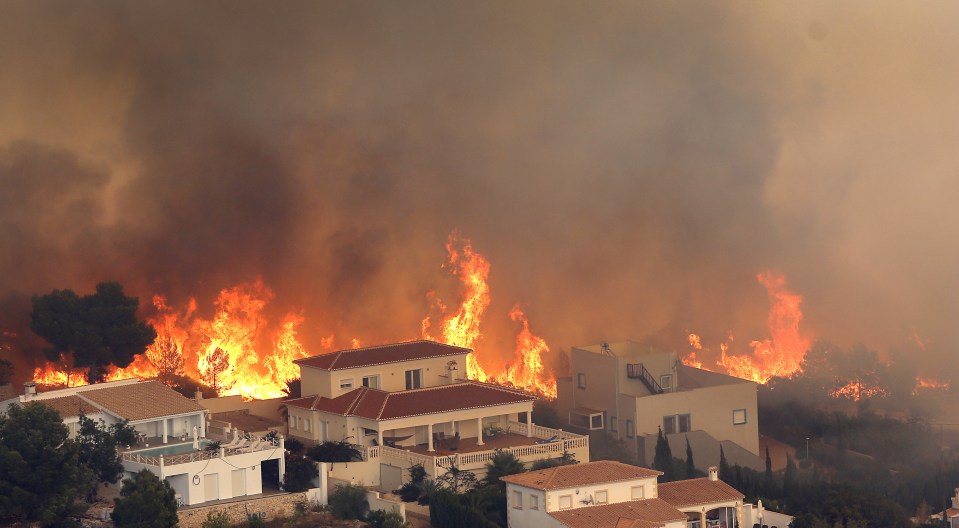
(855,390)
(528,371)
(240,351)
(462,328)
(779,355)
(929,384)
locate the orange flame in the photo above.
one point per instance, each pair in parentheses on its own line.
(855,390)
(929,384)
(779,355)
(462,328)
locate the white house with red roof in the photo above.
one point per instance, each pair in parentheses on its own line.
(173,437)
(950,515)
(410,403)
(608,494)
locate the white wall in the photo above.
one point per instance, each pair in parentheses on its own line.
(392,376)
(616,491)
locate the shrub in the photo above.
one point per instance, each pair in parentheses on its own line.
(216,520)
(385,519)
(349,502)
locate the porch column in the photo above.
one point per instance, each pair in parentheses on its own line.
(702,518)
(529,424)
(202,420)
(379,436)
(165,429)
(479,431)
(429,437)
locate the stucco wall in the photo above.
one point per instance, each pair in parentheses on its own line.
(392,376)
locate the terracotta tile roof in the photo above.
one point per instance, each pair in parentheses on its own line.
(580,475)
(378,355)
(69,406)
(381,405)
(141,401)
(697,491)
(646,513)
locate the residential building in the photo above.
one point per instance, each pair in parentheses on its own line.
(951,515)
(608,494)
(173,435)
(409,403)
(632,391)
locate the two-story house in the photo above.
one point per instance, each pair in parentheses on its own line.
(608,494)
(410,403)
(633,391)
(173,438)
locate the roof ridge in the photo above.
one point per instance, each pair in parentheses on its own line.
(361,393)
(377,347)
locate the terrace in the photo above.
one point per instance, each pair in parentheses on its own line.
(468,454)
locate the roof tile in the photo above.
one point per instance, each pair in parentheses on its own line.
(378,355)
(580,475)
(649,513)
(141,401)
(697,491)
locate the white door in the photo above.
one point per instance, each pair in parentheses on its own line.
(211,486)
(239,482)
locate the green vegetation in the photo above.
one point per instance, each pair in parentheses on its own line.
(334,451)
(385,519)
(98,449)
(146,502)
(349,502)
(300,472)
(94,330)
(216,520)
(40,471)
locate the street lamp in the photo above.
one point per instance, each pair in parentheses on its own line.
(807,449)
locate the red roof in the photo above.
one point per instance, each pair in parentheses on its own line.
(576,475)
(380,405)
(379,355)
(633,514)
(697,491)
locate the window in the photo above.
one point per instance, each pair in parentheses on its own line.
(518,500)
(637,492)
(346,383)
(612,424)
(739,416)
(306,425)
(292,422)
(601,497)
(581,380)
(533,501)
(684,423)
(596,421)
(414,379)
(669,424)
(372,382)
(565,502)
(369,432)
(630,431)
(666,382)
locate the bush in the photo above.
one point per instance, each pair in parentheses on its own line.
(145,502)
(216,520)
(384,519)
(300,473)
(255,521)
(349,502)
(410,492)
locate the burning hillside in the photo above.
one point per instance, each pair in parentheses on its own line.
(240,350)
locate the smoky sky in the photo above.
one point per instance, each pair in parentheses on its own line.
(628,168)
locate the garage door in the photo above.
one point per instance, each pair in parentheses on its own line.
(391,477)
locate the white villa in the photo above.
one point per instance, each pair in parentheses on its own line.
(632,390)
(607,494)
(409,403)
(167,423)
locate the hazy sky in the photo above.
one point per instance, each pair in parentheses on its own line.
(628,168)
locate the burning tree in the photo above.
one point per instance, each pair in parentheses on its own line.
(95,330)
(217,363)
(166,357)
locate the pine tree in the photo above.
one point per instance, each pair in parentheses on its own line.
(724,472)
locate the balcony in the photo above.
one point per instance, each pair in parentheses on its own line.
(542,442)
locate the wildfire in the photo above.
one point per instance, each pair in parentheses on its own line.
(779,355)
(461,328)
(855,390)
(929,384)
(223,351)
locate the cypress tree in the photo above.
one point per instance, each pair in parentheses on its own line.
(690,466)
(724,472)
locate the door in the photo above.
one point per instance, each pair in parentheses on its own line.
(211,487)
(239,482)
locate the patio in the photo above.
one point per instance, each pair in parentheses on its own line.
(452,446)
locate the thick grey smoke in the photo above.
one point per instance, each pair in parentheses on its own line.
(627,167)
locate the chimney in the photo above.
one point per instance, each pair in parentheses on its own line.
(198,396)
(29,390)
(713,473)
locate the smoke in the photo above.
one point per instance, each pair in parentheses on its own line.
(627,168)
